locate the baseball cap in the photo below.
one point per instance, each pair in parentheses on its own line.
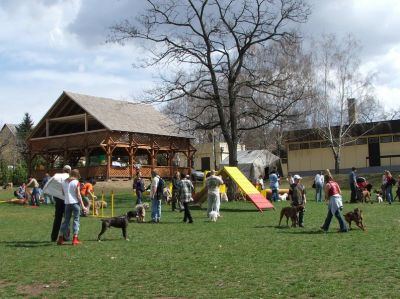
(297,177)
(67,167)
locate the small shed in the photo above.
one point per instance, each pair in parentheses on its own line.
(254,163)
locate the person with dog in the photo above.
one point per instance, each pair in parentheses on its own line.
(388,183)
(353,185)
(35,193)
(335,205)
(156,193)
(54,188)
(319,186)
(274,184)
(87,193)
(20,193)
(175,188)
(213,183)
(185,190)
(297,196)
(73,203)
(138,185)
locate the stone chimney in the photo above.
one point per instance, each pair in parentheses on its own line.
(351,106)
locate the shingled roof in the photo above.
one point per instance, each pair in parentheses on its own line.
(12,128)
(122,116)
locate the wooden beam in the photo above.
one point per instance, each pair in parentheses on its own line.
(47,128)
(86,122)
(68,118)
(70,134)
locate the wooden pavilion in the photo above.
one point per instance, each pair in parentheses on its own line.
(106,138)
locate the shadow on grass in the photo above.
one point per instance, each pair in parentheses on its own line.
(27,244)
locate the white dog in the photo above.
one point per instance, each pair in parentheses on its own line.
(379,198)
(283,196)
(213,216)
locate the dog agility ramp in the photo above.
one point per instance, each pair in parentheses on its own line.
(244,184)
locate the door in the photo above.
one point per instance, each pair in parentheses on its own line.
(205,163)
(374,151)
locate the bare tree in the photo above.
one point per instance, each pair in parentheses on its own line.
(344,96)
(210,45)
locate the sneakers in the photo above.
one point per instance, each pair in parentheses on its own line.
(60,240)
(75,241)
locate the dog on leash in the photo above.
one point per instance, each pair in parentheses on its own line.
(118,222)
(291,212)
(213,216)
(355,216)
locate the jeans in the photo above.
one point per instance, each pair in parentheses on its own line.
(35,196)
(212,205)
(58,215)
(70,209)
(138,197)
(388,193)
(339,217)
(353,197)
(187,216)
(318,193)
(275,194)
(155,209)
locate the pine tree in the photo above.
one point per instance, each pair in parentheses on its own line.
(25,127)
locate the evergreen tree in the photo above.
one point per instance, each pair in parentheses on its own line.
(25,127)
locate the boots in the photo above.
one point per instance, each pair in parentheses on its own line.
(75,240)
(60,240)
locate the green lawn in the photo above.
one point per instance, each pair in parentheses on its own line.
(243,255)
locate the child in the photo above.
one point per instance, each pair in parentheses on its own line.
(87,193)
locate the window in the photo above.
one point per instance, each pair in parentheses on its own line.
(373,140)
(294,146)
(315,144)
(385,139)
(304,145)
(361,141)
(396,138)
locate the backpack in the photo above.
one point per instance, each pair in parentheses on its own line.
(160,188)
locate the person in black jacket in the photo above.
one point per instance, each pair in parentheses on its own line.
(175,194)
(138,185)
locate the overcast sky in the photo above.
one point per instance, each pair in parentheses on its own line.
(47,46)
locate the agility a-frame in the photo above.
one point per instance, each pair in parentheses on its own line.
(247,188)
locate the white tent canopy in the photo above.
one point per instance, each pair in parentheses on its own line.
(253,163)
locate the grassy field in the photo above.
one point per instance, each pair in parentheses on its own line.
(243,255)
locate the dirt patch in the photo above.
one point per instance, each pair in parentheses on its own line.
(4,284)
(37,289)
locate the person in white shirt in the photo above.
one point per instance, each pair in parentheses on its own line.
(155,200)
(213,199)
(73,203)
(53,187)
(319,185)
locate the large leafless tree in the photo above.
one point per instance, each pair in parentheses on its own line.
(209,47)
(344,96)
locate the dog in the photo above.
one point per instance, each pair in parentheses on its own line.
(8,186)
(291,212)
(213,216)
(283,196)
(355,216)
(139,213)
(118,222)
(167,195)
(98,204)
(365,195)
(379,197)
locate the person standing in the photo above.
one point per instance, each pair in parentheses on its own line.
(73,204)
(54,188)
(389,181)
(155,197)
(138,185)
(35,194)
(87,193)
(297,196)
(185,189)
(175,186)
(319,185)
(47,198)
(335,205)
(274,184)
(353,185)
(213,183)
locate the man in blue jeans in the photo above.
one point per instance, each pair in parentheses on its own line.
(353,185)
(274,184)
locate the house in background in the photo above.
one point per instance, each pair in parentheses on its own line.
(106,138)
(9,153)
(371,146)
(210,155)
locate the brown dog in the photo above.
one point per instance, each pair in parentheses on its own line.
(355,216)
(291,212)
(365,196)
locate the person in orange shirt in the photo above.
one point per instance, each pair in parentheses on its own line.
(87,192)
